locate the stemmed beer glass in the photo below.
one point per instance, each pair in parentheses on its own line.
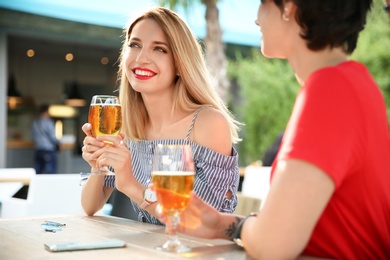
(105,117)
(173,178)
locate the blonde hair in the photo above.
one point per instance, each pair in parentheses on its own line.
(193,87)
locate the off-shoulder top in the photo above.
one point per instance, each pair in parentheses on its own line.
(215,173)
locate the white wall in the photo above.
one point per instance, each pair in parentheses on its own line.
(3,96)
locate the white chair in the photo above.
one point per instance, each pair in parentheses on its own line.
(8,189)
(22,175)
(48,194)
(256,182)
(12,180)
(247,204)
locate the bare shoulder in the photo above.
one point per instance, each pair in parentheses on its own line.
(211,129)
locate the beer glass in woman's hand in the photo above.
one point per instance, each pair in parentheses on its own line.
(173,178)
(105,117)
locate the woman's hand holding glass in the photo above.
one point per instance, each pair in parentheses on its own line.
(105,121)
(94,148)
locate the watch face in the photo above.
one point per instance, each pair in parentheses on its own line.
(150,196)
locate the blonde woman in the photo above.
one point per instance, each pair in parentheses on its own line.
(167,98)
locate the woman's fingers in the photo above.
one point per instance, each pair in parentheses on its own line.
(92,143)
(90,146)
(104,150)
(115,155)
(87,128)
(116,141)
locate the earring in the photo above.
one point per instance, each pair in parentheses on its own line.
(285,18)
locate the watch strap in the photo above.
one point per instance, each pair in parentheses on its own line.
(237,234)
(144,204)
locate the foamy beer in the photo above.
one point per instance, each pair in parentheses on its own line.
(173,177)
(105,115)
(173,189)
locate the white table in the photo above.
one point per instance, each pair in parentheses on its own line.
(25,238)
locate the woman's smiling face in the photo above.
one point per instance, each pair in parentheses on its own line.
(149,59)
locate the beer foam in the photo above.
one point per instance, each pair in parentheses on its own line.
(173,173)
(105,104)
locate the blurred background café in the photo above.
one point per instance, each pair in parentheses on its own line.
(62,53)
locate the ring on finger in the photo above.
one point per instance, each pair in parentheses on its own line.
(120,143)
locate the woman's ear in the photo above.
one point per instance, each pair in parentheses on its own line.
(289,10)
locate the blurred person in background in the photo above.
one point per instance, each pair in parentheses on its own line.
(45,142)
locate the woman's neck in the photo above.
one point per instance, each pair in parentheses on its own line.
(304,61)
(163,116)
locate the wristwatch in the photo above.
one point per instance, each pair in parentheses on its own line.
(149,198)
(237,234)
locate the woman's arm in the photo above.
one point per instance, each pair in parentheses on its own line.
(219,172)
(118,157)
(94,195)
(298,195)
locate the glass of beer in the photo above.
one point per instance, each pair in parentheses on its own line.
(173,178)
(105,117)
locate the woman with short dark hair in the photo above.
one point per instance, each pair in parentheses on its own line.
(329,195)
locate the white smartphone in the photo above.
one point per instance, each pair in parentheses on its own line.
(84,245)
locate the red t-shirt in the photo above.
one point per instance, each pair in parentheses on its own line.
(339,124)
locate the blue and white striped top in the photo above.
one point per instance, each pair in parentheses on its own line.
(216,174)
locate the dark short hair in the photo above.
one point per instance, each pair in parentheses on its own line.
(331,23)
(43,108)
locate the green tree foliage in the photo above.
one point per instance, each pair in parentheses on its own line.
(268,89)
(373,49)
